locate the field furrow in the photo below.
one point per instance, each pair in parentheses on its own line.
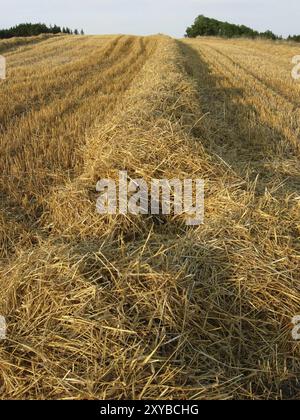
(143,306)
(56,118)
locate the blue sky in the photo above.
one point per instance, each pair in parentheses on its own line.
(152,16)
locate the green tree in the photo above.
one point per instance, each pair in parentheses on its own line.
(29,29)
(204,26)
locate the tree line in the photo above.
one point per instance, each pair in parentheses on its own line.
(204,26)
(33,29)
(295,38)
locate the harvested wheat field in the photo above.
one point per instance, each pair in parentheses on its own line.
(144,307)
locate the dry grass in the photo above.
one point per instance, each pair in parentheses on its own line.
(14,44)
(141,306)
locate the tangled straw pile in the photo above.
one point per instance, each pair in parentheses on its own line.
(143,307)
